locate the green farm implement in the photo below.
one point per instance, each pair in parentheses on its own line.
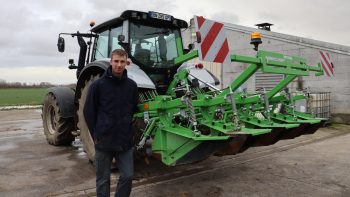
(201,122)
(182,116)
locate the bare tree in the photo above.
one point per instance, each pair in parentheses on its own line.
(2,83)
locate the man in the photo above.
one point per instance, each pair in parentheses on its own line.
(108,112)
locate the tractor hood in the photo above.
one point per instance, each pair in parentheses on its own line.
(139,76)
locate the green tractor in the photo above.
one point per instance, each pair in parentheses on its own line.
(182,116)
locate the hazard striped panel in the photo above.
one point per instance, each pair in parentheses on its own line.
(327,64)
(213,46)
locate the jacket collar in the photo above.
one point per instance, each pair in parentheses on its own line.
(109,74)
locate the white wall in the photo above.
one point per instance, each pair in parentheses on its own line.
(339,86)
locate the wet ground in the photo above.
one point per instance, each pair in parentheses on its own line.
(31,167)
(311,165)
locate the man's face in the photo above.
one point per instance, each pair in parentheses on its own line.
(118,64)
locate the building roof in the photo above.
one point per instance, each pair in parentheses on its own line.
(291,39)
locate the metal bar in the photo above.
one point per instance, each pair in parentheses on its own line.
(282,84)
(243,77)
(180,51)
(245,59)
(186,57)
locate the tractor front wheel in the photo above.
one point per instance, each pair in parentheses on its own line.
(58,130)
(88,143)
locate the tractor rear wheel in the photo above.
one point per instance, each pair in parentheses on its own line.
(88,143)
(58,130)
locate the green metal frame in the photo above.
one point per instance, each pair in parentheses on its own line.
(225,114)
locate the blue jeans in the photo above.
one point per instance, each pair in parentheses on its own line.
(125,164)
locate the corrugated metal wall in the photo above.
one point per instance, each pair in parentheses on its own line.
(267,81)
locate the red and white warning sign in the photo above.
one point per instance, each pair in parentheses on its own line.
(213,46)
(327,64)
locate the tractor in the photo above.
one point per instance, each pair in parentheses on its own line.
(182,116)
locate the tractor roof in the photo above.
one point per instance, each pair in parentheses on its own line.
(142,17)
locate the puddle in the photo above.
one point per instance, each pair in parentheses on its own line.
(31,126)
(7,146)
(5,160)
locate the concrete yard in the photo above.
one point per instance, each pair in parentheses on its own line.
(310,165)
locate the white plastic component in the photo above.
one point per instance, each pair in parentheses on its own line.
(202,74)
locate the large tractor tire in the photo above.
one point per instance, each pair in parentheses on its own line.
(58,130)
(85,136)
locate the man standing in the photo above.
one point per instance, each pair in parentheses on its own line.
(108,112)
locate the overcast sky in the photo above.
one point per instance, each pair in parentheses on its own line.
(29,29)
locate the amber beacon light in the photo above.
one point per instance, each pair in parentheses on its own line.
(255,40)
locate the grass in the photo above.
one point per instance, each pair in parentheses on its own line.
(22,96)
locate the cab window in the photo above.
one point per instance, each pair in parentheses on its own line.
(107,41)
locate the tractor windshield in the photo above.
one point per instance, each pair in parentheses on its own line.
(153,47)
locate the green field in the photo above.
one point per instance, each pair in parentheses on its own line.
(22,96)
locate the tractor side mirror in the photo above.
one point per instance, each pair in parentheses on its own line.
(122,42)
(60,44)
(121,38)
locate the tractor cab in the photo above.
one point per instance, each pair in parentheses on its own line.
(152,41)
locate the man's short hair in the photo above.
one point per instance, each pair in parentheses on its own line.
(119,52)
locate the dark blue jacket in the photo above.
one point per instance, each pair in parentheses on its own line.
(109,109)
